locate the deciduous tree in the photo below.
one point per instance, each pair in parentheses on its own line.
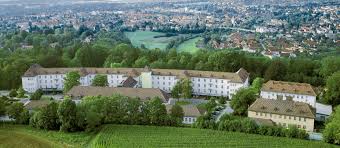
(71,79)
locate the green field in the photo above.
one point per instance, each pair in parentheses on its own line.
(142,136)
(138,38)
(27,137)
(148,136)
(189,45)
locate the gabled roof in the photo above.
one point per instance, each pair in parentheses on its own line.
(36,104)
(143,93)
(283,107)
(129,82)
(289,87)
(189,110)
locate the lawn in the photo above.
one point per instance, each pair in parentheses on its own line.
(138,38)
(18,139)
(149,136)
(24,136)
(189,45)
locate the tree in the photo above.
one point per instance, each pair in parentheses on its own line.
(222,100)
(183,88)
(186,88)
(176,90)
(2,107)
(157,111)
(47,117)
(275,71)
(71,79)
(333,89)
(329,65)
(210,106)
(14,111)
(67,112)
(13,93)
(177,112)
(100,80)
(37,95)
(242,100)
(331,134)
(141,62)
(21,93)
(257,84)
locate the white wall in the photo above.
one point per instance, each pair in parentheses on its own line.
(189,120)
(296,97)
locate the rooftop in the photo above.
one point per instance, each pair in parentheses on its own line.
(283,107)
(189,110)
(143,93)
(288,87)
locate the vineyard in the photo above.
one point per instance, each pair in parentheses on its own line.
(148,136)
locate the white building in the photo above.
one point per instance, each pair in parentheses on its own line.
(204,83)
(191,113)
(299,92)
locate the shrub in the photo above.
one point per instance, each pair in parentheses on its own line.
(13,93)
(21,93)
(291,131)
(37,95)
(248,126)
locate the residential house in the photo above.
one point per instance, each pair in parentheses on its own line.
(283,113)
(191,113)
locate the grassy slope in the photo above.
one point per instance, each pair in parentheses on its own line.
(18,139)
(189,46)
(10,134)
(148,136)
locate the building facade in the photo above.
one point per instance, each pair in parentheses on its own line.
(299,92)
(284,113)
(204,83)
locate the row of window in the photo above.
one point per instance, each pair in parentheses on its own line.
(189,120)
(280,116)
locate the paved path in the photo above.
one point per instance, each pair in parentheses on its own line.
(226,110)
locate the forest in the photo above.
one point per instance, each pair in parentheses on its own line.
(67,47)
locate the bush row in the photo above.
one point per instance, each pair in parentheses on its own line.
(247,125)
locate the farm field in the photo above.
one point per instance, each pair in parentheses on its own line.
(149,136)
(138,38)
(189,45)
(141,136)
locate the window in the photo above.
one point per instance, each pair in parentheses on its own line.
(284,116)
(260,114)
(289,117)
(304,119)
(304,126)
(299,126)
(294,118)
(299,118)
(189,119)
(257,113)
